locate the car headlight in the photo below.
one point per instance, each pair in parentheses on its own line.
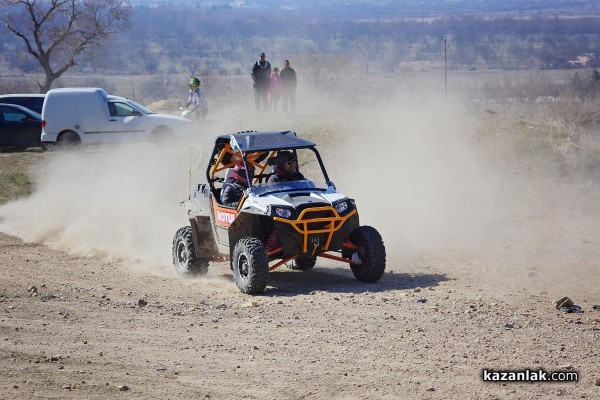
(341,207)
(283,212)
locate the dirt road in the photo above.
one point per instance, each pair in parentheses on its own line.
(77,327)
(79,321)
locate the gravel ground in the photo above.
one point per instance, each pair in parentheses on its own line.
(79,318)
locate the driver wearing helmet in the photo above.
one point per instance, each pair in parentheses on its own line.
(287,168)
(196,99)
(233,189)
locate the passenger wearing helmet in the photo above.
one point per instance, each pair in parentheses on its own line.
(196,100)
(233,189)
(287,168)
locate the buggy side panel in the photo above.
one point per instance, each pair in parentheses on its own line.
(223,217)
(204,242)
(200,220)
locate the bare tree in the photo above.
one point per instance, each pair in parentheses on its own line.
(316,61)
(368,48)
(59,32)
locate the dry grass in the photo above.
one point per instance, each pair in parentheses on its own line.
(15,168)
(543,114)
(565,132)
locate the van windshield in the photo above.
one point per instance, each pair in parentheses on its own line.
(140,107)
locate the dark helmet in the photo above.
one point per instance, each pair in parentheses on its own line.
(194,82)
(285,156)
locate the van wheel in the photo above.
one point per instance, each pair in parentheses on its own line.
(48,146)
(68,140)
(161,136)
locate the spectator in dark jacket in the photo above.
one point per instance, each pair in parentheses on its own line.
(287,169)
(288,85)
(261,75)
(233,189)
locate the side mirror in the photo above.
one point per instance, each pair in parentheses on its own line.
(136,113)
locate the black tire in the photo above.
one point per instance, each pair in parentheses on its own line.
(371,252)
(185,259)
(162,136)
(302,263)
(48,146)
(250,265)
(68,140)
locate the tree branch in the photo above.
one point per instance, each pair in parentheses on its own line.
(57,32)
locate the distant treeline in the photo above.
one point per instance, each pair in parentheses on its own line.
(400,9)
(225,41)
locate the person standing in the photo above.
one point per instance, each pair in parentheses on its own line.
(261,75)
(274,89)
(288,84)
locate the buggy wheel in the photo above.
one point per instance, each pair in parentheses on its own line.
(302,263)
(185,259)
(371,253)
(250,265)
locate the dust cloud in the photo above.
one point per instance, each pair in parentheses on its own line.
(432,179)
(120,203)
(420,169)
(410,164)
(416,174)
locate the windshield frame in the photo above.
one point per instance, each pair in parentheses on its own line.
(314,150)
(301,185)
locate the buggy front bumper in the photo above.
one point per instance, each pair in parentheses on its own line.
(315,230)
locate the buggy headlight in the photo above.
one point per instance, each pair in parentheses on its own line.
(341,207)
(283,212)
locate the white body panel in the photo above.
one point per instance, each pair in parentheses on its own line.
(87,111)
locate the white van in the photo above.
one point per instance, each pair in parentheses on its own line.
(72,116)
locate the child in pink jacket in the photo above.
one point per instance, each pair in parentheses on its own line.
(274,89)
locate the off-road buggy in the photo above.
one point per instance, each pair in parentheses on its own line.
(275,223)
